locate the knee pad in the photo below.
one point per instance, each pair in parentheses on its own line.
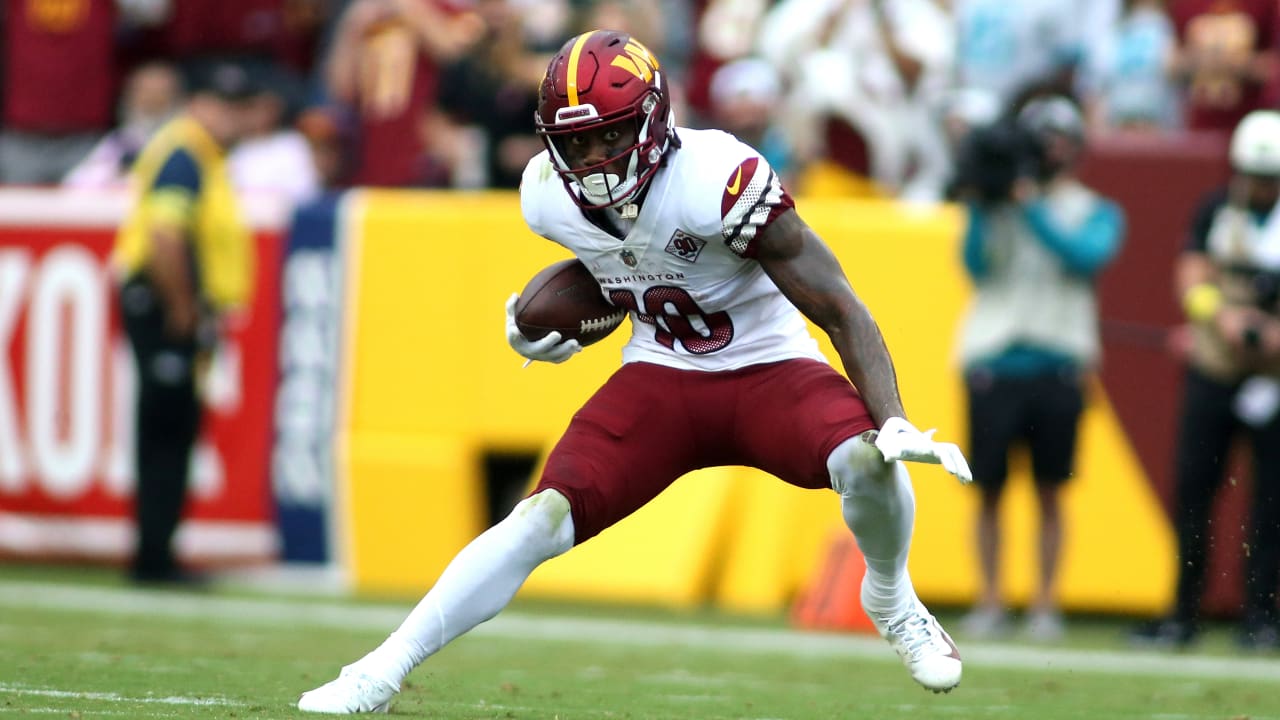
(544,523)
(856,461)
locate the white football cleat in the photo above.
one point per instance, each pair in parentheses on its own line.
(352,692)
(925,648)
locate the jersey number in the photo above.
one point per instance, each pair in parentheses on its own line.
(673,312)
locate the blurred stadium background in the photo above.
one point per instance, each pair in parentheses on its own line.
(365,419)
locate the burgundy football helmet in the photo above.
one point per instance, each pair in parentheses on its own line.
(602,78)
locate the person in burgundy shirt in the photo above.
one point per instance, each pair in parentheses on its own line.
(384,64)
(59,86)
(286,33)
(1227,56)
(282,31)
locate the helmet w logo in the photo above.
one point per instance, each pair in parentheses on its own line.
(637,60)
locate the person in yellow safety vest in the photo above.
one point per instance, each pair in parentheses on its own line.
(183,259)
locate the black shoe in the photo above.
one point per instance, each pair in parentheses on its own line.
(173,577)
(1168,633)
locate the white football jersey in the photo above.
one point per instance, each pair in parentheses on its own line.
(685,272)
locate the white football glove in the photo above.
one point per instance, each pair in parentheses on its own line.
(548,349)
(900,440)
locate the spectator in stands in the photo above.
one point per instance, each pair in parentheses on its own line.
(881,68)
(280,32)
(1228,277)
(59,86)
(184,259)
(322,127)
(1125,78)
(546,22)
(725,30)
(1098,18)
(966,109)
(152,95)
(745,98)
(1227,55)
(384,63)
(487,98)
(679,28)
(273,157)
(1034,246)
(641,19)
(1017,49)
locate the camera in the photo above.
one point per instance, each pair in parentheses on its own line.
(1252,338)
(1266,289)
(993,157)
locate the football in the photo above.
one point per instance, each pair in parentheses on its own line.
(565,297)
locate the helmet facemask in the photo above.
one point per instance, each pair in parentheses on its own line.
(621,176)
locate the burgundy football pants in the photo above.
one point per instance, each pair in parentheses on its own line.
(650,424)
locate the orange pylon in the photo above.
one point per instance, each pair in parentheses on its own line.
(832,599)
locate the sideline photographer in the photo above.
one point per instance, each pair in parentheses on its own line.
(1036,240)
(1228,277)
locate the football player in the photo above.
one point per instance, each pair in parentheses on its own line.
(691,231)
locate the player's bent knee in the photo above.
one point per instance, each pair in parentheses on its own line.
(545,522)
(857,465)
(549,505)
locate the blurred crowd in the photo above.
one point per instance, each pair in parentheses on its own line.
(847,96)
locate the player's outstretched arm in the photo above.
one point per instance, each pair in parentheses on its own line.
(808,274)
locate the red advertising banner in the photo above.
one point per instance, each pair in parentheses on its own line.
(66,397)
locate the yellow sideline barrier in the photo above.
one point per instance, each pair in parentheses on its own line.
(433,384)
(664,554)
(415,506)
(777,538)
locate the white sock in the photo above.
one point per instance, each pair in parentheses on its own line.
(476,585)
(879,506)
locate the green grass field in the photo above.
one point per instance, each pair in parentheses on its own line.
(79,644)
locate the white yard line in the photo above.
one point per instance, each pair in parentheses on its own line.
(131,713)
(64,712)
(7,689)
(647,633)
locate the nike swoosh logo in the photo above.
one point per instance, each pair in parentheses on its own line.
(736,185)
